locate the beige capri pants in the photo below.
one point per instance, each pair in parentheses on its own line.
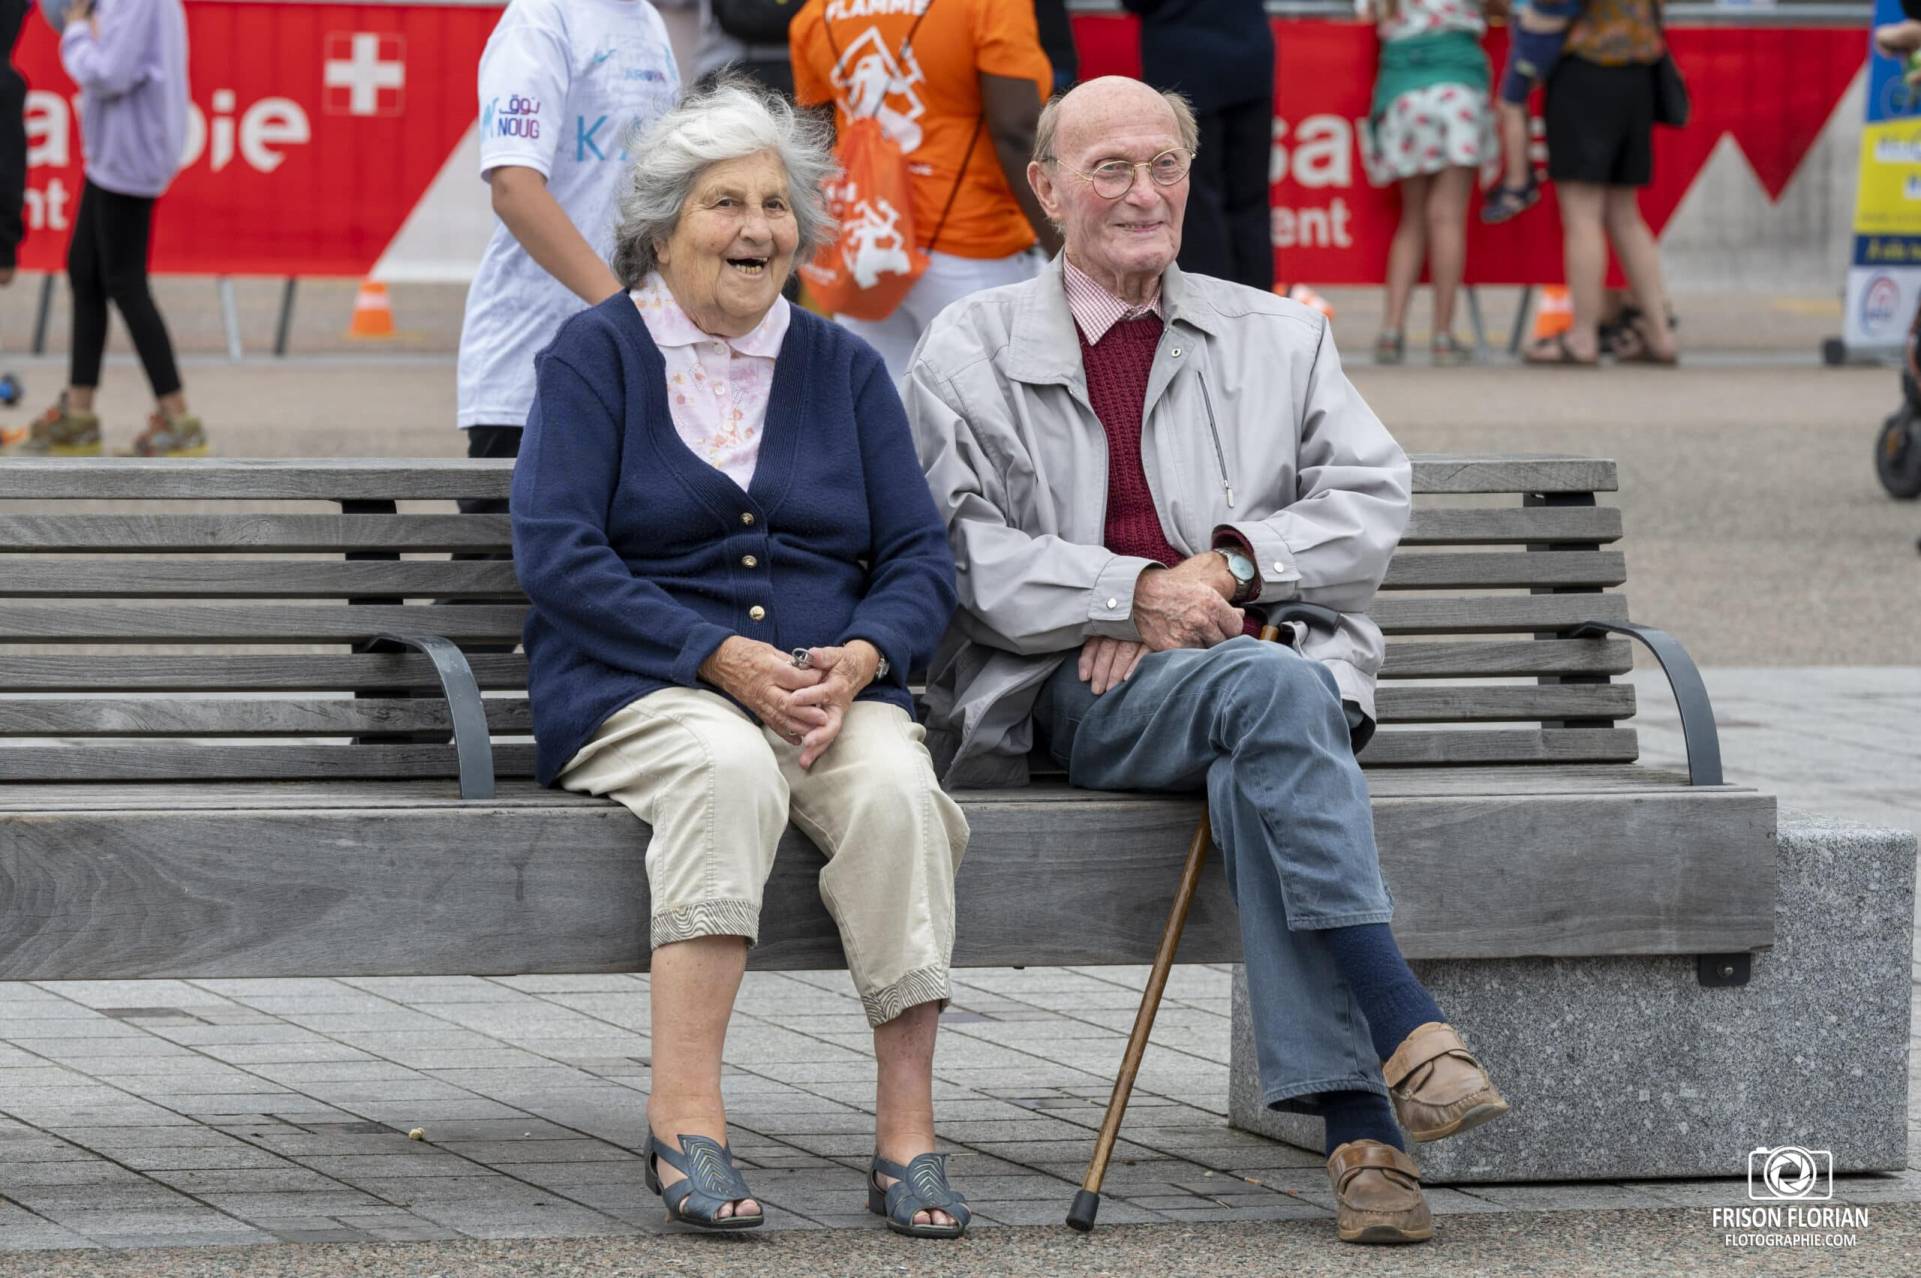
(719,789)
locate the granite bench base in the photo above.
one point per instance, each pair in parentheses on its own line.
(1627,1068)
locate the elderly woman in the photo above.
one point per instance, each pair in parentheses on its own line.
(734,561)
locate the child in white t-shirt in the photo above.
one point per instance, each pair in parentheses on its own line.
(563,85)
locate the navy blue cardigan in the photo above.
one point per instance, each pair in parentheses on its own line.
(635,552)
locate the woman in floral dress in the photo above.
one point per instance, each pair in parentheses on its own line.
(1431,131)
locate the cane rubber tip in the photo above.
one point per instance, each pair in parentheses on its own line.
(1087,1205)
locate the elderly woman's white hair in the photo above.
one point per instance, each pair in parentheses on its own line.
(730,120)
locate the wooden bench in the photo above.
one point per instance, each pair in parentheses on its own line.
(224,750)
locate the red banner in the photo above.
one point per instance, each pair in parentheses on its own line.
(317,128)
(314,130)
(1771,88)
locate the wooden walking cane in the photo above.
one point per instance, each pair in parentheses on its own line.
(1087,1203)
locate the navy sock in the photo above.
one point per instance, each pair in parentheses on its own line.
(1359,1116)
(1394,1003)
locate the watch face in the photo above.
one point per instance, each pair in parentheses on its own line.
(1240,565)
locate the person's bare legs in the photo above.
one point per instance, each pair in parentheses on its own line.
(1585,253)
(904,1092)
(1640,258)
(1405,253)
(1447,199)
(691,1000)
(1516,170)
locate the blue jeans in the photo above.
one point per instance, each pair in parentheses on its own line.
(1262,730)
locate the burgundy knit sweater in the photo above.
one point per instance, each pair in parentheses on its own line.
(1117,369)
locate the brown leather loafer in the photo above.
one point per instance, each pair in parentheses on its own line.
(1437,1085)
(1377,1194)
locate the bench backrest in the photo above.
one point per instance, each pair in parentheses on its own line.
(233,638)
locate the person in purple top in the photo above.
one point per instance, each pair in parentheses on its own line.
(129,58)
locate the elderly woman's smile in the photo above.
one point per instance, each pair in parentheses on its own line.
(733,246)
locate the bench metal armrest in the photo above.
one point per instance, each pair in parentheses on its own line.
(1690,694)
(472,744)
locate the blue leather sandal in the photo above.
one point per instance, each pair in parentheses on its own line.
(712,1182)
(920,1186)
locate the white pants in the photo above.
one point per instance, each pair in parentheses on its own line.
(946,280)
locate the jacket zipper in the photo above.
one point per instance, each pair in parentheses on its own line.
(1214,431)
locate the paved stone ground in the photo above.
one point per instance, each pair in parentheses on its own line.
(196,1114)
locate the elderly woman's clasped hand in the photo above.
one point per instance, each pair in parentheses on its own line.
(765,680)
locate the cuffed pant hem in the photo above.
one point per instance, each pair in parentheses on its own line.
(1296,1096)
(925,985)
(706,918)
(1323,922)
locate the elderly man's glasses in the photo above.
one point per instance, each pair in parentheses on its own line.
(1111,179)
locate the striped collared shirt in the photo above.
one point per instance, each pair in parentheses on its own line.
(1095,309)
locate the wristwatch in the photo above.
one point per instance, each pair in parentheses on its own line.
(1241,568)
(880,670)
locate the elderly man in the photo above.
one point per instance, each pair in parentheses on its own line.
(1127,458)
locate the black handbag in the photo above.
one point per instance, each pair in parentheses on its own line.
(1671,104)
(756,21)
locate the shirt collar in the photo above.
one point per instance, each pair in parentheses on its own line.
(1095,308)
(669,325)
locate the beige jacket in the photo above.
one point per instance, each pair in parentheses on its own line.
(1248,424)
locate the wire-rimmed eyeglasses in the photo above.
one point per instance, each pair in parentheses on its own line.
(1111,179)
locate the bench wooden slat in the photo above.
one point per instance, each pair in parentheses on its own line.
(1523,525)
(320,623)
(256,623)
(276,479)
(1468,615)
(258,534)
(430,578)
(1435,473)
(1480,703)
(250,717)
(1498,570)
(409,479)
(434,794)
(410,533)
(166,760)
(340,716)
(170,761)
(1415,659)
(284,579)
(324,672)
(1397,748)
(303,672)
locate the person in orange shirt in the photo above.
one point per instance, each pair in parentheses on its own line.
(958,85)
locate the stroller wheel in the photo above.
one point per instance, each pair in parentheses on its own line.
(1897,453)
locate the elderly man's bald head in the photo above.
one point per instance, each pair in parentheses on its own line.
(1089,110)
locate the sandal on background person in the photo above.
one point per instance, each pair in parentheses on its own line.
(712,1182)
(1555,350)
(921,1186)
(1629,345)
(1390,347)
(1506,202)
(1446,351)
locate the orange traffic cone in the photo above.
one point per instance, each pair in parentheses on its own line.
(1554,313)
(373,313)
(1309,298)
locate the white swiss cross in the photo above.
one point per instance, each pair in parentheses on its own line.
(364,64)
